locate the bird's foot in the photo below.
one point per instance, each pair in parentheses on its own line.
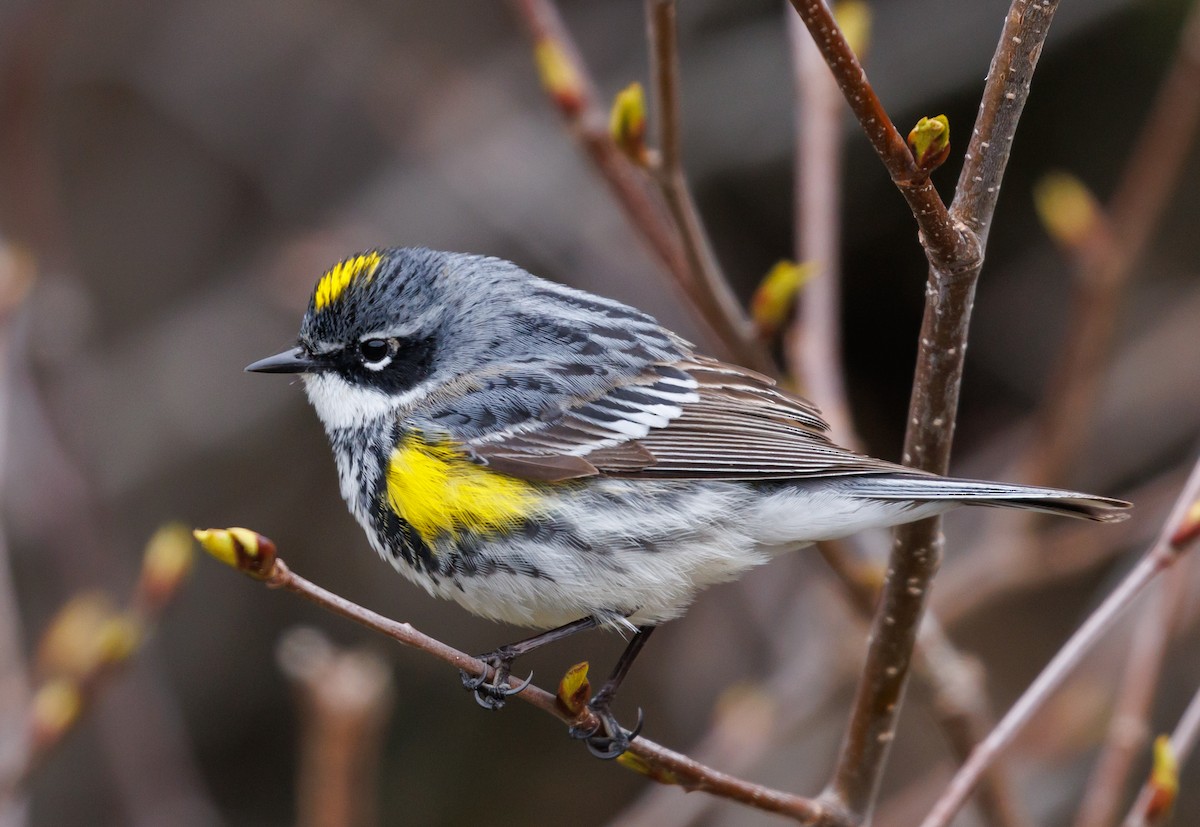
(494,694)
(606,740)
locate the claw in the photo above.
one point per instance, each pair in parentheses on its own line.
(519,688)
(487,700)
(472,682)
(615,740)
(607,749)
(493,695)
(581,734)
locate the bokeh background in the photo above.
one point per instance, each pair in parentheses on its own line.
(175,175)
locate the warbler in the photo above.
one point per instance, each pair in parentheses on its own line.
(553,459)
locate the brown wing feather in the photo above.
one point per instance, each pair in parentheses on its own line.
(697,418)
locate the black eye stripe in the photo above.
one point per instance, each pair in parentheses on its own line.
(410,363)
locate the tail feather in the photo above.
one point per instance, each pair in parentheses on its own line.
(996,494)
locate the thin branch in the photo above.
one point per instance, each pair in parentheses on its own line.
(1177,535)
(657,762)
(1146,185)
(345,699)
(965,715)
(89,642)
(1183,741)
(668,171)
(813,346)
(953,243)
(948,248)
(580,107)
(1129,727)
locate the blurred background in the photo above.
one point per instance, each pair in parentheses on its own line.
(175,175)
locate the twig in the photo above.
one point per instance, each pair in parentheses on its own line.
(1145,187)
(1178,534)
(963,712)
(1183,741)
(813,346)
(954,241)
(668,171)
(1129,727)
(948,248)
(89,642)
(578,103)
(345,698)
(16,274)
(255,555)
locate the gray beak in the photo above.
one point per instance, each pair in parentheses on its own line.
(290,361)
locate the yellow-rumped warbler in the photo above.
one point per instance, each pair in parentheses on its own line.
(554,459)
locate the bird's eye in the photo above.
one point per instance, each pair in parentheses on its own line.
(376,353)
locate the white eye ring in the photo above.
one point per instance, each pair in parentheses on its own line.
(377,353)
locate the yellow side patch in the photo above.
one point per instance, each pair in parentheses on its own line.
(334,283)
(437,490)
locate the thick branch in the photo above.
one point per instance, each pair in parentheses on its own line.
(953,245)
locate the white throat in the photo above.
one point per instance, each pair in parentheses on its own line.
(340,404)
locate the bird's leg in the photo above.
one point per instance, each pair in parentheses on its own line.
(492,694)
(613,740)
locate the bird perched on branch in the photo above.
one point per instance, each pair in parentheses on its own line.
(553,459)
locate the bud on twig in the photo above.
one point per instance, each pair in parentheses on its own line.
(1067,209)
(559,75)
(1164,781)
(633,761)
(627,123)
(88,633)
(929,141)
(854,19)
(241,548)
(1189,529)
(574,690)
(56,707)
(776,294)
(165,564)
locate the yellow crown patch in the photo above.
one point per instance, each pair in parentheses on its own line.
(334,283)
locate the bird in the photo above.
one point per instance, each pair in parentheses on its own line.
(553,459)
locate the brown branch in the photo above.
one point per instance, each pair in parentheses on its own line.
(1180,532)
(813,346)
(1183,742)
(814,354)
(87,645)
(965,715)
(578,103)
(948,248)
(657,762)
(1104,268)
(668,171)
(345,698)
(1129,727)
(953,242)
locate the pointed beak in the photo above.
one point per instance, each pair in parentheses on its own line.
(290,361)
